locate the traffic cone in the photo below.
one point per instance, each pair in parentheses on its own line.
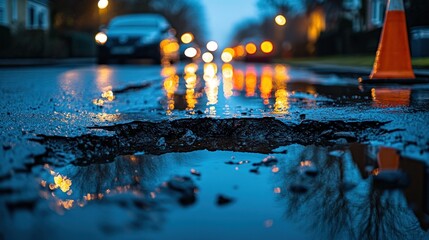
(393,60)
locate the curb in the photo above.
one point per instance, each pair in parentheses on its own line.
(16,63)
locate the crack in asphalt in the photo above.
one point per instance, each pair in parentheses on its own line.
(259,135)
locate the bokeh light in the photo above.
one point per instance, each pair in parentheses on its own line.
(207,57)
(267,47)
(101,38)
(212,46)
(102,4)
(239,51)
(191,52)
(187,38)
(280,20)
(226,57)
(251,48)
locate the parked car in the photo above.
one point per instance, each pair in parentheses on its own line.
(137,36)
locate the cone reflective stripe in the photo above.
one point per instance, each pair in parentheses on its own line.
(393,59)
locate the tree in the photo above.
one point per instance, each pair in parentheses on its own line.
(184,15)
(277,6)
(417,12)
(246,29)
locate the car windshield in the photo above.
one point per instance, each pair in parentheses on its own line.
(146,22)
(134,25)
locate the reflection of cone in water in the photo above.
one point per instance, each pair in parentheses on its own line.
(393,58)
(388,159)
(385,97)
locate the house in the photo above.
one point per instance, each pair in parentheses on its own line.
(375,12)
(365,15)
(25,14)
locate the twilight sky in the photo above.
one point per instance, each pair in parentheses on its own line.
(223,15)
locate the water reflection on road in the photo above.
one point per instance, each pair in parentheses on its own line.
(306,192)
(219,88)
(237,90)
(311,192)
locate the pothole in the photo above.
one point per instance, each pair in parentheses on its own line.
(259,135)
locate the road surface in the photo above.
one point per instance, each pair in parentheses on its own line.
(209,151)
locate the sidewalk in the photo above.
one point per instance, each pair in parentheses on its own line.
(40,62)
(351,71)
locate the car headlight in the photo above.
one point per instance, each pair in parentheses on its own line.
(101,38)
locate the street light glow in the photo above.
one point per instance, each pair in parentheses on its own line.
(191,52)
(251,48)
(267,47)
(280,20)
(239,51)
(208,57)
(226,57)
(212,46)
(102,4)
(187,38)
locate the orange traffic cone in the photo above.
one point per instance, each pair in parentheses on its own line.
(393,60)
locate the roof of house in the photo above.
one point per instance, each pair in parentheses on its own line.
(44,2)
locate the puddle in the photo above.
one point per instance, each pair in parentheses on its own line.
(227,90)
(303,192)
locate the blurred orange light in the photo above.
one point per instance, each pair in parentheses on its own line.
(251,48)
(251,81)
(169,47)
(230,51)
(239,51)
(187,38)
(280,20)
(267,47)
(238,80)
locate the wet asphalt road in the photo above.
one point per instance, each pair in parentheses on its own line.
(65,101)
(75,101)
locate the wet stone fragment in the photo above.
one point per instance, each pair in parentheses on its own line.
(298,188)
(391,179)
(267,162)
(254,170)
(341,141)
(336,153)
(185,188)
(347,186)
(237,163)
(189,138)
(308,170)
(349,136)
(7,147)
(223,200)
(195,173)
